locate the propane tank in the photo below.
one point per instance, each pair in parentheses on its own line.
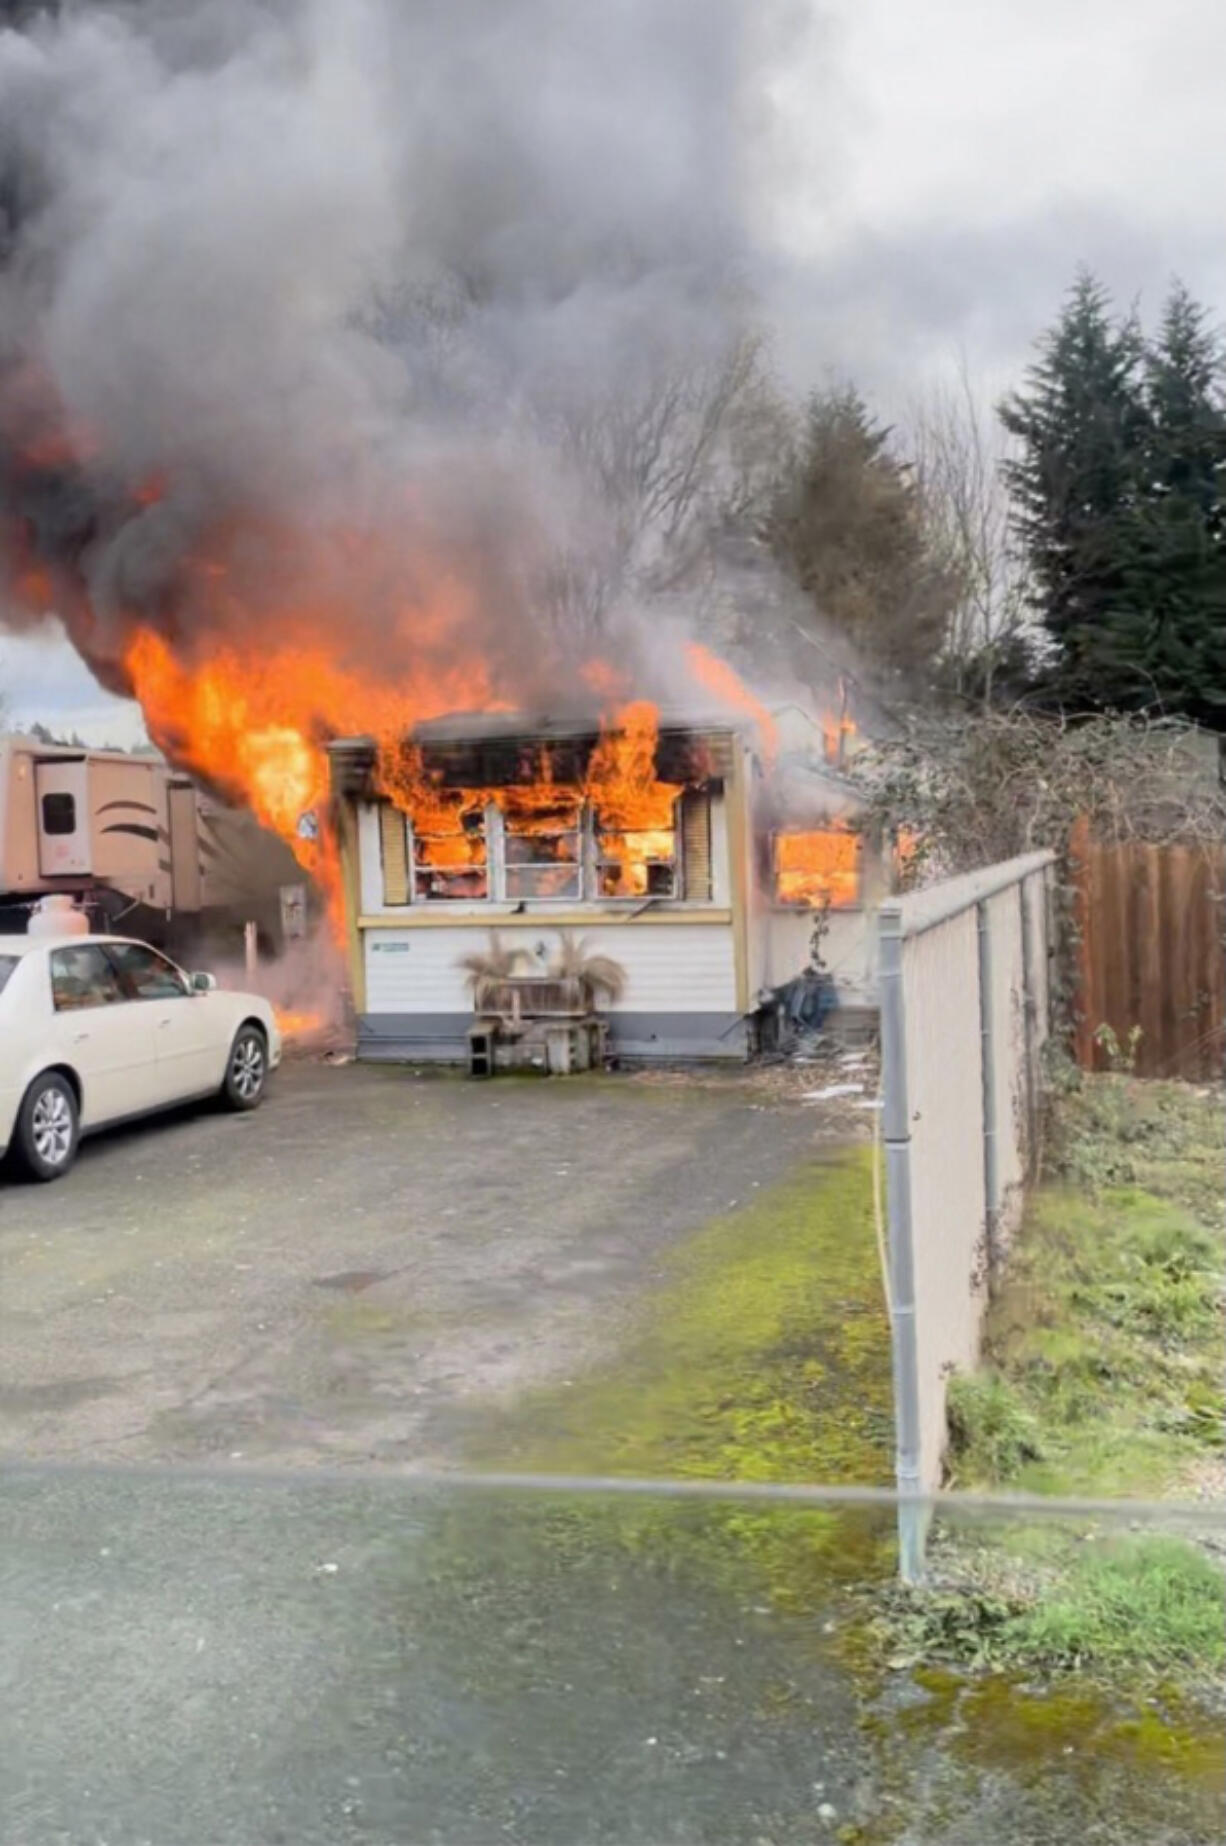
(57,915)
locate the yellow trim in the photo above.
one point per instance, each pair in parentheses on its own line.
(738,867)
(420,918)
(347,842)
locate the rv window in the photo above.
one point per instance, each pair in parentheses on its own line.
(82,977)
(7,964)
(59,814)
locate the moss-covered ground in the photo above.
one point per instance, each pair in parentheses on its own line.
(762,1353)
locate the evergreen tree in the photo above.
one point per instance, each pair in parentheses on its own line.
(1180,573)
(1081,422)
(1118,501)
(847,523)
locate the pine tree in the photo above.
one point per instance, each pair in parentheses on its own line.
(1118,498)
(847,524)
(1081,422)
(1180,572)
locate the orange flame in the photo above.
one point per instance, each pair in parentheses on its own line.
(837,733)
(297,1025)
(718,678)
(250,709)
(634,810)
(819,866)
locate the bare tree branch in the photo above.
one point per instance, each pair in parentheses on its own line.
(958,451)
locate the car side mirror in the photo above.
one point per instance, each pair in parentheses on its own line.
(203,983)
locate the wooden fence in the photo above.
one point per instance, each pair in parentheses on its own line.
(1150,925)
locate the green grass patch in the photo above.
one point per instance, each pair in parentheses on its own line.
(1165,1139)
(1156,1604)
(1102,1351)
(1148,1610)
(1102,1375)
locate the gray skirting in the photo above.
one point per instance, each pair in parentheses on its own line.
(442,1038)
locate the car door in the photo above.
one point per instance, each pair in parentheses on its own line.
(187,1033)
(105,1038)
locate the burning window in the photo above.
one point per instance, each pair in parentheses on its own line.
(542,847)
(636,862)
(452,864)
(818,867)
(575,820)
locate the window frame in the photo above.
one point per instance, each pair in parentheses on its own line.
(119,998)
(183,990)
(459,897)
(502,867)
(54,830)
(588,866)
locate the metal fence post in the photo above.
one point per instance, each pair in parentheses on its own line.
(1030,1014)
(991,1184)
(896,1133)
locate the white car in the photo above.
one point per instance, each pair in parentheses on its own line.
(98,1029)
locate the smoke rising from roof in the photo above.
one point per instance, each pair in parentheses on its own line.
(307,304)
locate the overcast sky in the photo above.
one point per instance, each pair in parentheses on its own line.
(942,168)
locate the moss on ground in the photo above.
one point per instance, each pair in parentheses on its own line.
(762,1354)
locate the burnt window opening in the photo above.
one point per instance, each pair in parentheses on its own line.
(59,814)
(818,867)
(636,862)
(452,865)
(560,851)
(542,853)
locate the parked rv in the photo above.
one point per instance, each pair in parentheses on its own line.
(130,839)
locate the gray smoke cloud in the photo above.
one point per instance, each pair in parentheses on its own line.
(320,303)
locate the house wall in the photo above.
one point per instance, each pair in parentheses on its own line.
(685,969)
(849,950)
(680,998)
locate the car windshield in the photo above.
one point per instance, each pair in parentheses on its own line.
(7,964)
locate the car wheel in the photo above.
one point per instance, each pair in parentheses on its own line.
(48,1126)
(247,1069)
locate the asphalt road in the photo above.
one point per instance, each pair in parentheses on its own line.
(243,1664)
(344,1274)
(325,1660)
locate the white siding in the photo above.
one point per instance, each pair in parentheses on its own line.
(848,950)
(670,967)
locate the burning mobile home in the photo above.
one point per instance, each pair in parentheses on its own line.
(297,447)
(665,844)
